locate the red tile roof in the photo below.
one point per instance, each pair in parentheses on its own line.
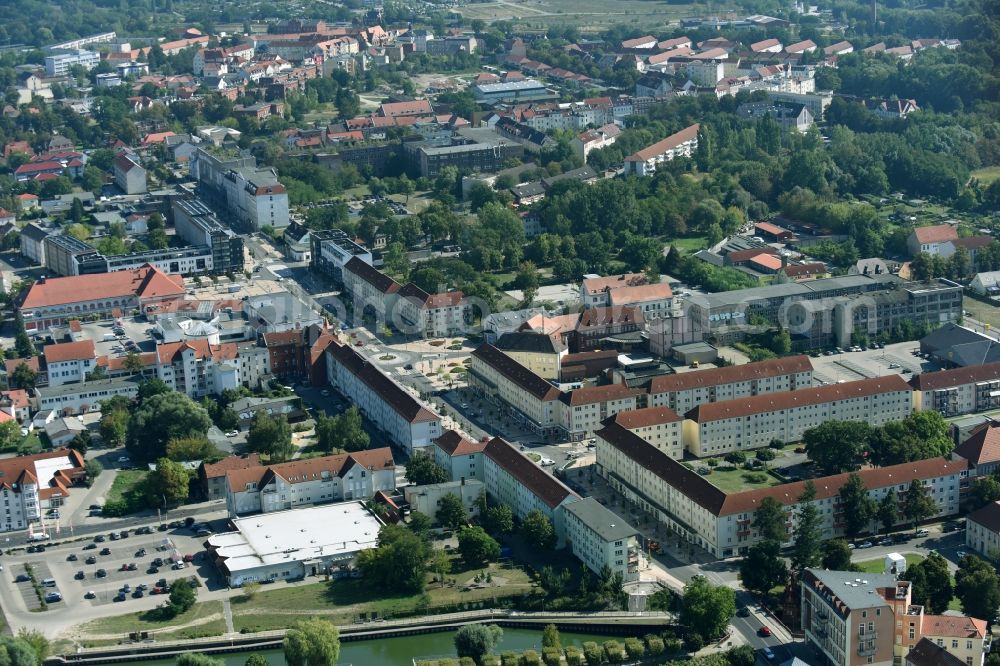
(772,402)
(769,228)
(372,276)
(145,282)
(229,463)
(645,417)
(982,446)
(593,394)
(766,260)
(454,444)
(310,469)
(610,282)
(14,472)
(540,483)
(936,234)
(774,367)
(69,351)
(416,107)
(988,517)
(953,626)
(931,381)
(170,352)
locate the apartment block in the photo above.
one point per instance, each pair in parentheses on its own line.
(405,420)
(982,531)
(341,477)
(37,482)
(659,426)
(332,249)
(722,524)
(430,315)
(681,144)
(583,410)
(599,537)
(981,449)
(83,397)
(974,388)
(198,225)
(250,196)
(198,368)
(527,397)
(538,352)
(60,64)
(372,292)
(684,391)
(459,455)
(717,428)
(69,361)
(513,479)
(68,256)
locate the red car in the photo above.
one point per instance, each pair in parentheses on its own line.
(764,631)
(189,558)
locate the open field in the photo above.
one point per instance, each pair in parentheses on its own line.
(984,312)
(201,617)
(877,565)
(987,175)
(125,481)
(590,15)
(737,480)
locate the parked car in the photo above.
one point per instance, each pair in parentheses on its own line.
(22,578)
(71,557)
(91,560)
(80,575)
(52,597)
(99,538)
(923,533)
(90,595)
(768,654)
(105,551)
(101,573)
(960,554)
(764,631)
(865,544)
(141,552)
(90,546)
(121,596)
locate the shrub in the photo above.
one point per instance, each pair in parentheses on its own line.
(509,659)
(614,651)
(712,462)
(736,457)
(776,444)
(467,661)
(764,454)
(635,648)
(491,660)
(755,477)
(531,658)
(449,662)
(654,645)
(593,653)
(672,645)
(551,657)
(574,657)
(693,641)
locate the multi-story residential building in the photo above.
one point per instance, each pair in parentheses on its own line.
(430,315)
(595,139)
(930,239)
(486,154)
(981,449)
(513,479)
(33,242)
(406,421)
(59,64)
(198,368)
(583,410)
(344,476)
(298,354)
(975,388)
(982,531)
(459,455)
(52,301)
(372,292)
(659,426)
(130,176)
(83,397)
(607,326)
(788,116)
(927,653)
(37,482)
(69,361)
(747,423)
(252,197)
(871,619)
(332,249)
(197,224)
(193,260)
(681,144)
(427,498)
(67,256)
(683,391)
(627,290)
(600,538)
(721,523)
(526,396)
(212,476)
(540,353)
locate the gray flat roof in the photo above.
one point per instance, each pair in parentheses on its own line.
(86,387)
(605,522)
(787,290)
(854,588)
(526,84)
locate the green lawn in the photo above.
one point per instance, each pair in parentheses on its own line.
(734,481)
(987,175)
(984,312)
(125,480)
(878,566)
(689,245)
(150,620)
(343,601)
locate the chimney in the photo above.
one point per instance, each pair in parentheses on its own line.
(784,260)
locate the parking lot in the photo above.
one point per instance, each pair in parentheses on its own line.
(108,569)
(849,366)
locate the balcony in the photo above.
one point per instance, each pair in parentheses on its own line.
(868,635)
(865,651)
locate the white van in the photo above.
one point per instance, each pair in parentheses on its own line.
(38,536)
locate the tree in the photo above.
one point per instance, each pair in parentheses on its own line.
(398,563)
(707,609)
(256,660)
(271,436)
(451,511)
(198,659)
(499,519)
(23,377)
(38,642)
(762,568)
(17,652)
(113,426)
(250,589)
(917,504)
(168,483)
(837,446)
(769,520)
(161,418)
(887,512)
(133,363)
(475,640)
(857,506)
(192,448)
(150,388)
(977,586)
(344,431)
(836,555)
(477,547)
(931,583)
(422,470)
(182,596)
(312,642)
(550,637)
(808,533)
(93,468)
(420,522)
(538,530)
(985,490)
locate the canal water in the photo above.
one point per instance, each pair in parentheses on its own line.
(401,651)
